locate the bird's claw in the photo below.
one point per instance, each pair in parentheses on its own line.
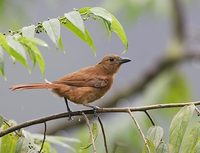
(95,108)
(70,118)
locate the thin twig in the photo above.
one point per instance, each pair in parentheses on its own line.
(179,19)
(140,130)
(197,110)
(43,141)
(99,110)
(104,134)
(90,131)
(150,118)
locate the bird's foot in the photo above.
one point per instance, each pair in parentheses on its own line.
(95,108)
(70,118)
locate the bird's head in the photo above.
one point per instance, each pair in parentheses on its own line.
(111,63)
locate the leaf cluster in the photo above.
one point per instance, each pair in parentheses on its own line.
(21,44)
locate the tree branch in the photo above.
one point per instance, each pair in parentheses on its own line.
(43,141)
(104,134)
(99,110)
(179,20)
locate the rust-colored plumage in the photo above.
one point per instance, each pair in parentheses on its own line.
(83,86)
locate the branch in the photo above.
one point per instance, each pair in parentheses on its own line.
(150,118)
(43,141)
(99,110)
(179,20)
(140,130)
(104,134)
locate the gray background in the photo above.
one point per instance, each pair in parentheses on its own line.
(148,38)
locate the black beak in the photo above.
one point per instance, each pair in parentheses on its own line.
(124,60)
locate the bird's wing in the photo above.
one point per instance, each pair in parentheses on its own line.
(84,78)
(93,82)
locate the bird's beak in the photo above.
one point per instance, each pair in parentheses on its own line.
(124,60)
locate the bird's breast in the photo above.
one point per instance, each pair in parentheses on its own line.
(84,95)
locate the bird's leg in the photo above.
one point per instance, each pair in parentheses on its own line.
(68,109)
(95,108)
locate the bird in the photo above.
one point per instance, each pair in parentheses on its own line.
(85,85)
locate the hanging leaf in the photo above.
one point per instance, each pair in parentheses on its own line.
(1,63)
(151,147)
(37,55)
(25,145)
(58,140)
(36,41)
(84,36)
(162,148)
(75,18)
(61,45)
(84,10)
(1,120)
(103,13)
(12,52)
(191,140)
(16,46)
(118,29)
(52,28)
(178,127)
(112,24)
(29,31)
(8,142)
(94,133)
(47,148)
(155,134)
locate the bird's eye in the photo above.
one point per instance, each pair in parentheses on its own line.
(112,59)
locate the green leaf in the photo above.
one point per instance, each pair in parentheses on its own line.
(197,148)
(1,63)
(61,45)
(162,148)
(52,28)
(12,52)
(118,29)
(25,145)
(191,140)
(108,27)
(47,148)
(178,127)
(1,120)
(84,10)
(155,134)
(151,147)
(16,46)
(37,55)
(36,41)
(101,12)
(95,134)
(29,31)
(170,86)
(8,142)
(112,24)
(75,18)
(58,140)
(84,36)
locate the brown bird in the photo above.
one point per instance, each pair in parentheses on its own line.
(83,86)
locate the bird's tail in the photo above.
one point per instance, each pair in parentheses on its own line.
(35,86)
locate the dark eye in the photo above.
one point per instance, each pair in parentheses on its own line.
(112,59)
